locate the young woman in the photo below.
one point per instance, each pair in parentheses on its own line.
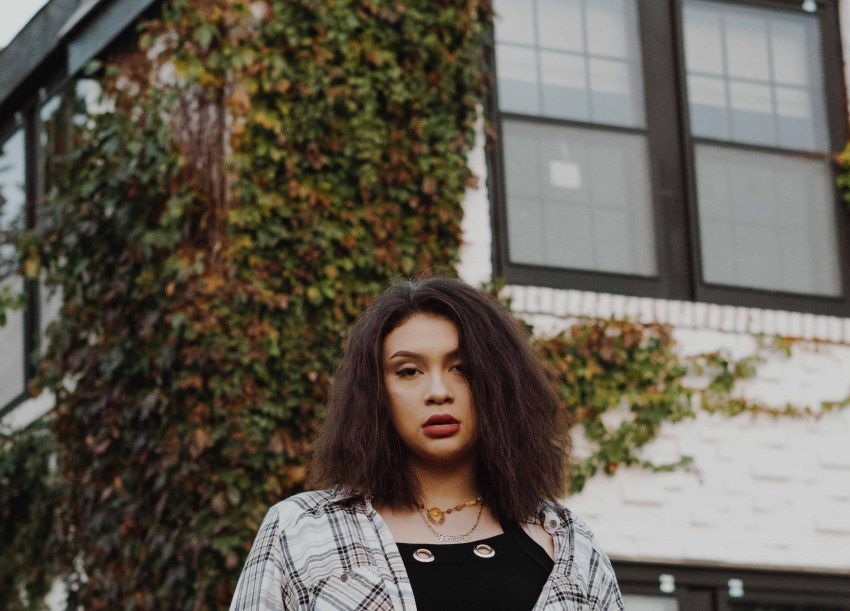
(443,454)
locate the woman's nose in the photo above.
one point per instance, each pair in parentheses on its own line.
(438,391)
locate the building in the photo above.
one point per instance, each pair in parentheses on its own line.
(660,160)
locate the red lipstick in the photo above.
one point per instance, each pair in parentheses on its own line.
(441,425)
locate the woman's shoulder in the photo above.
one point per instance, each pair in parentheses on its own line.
(588,565)
(556,515)
(311,504)
(570,519)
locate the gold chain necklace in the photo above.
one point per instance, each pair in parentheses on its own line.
(461,538)
(437,516)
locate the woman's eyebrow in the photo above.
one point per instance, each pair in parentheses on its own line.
(415,355)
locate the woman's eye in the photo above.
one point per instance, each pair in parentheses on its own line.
(459,368)
(406,372)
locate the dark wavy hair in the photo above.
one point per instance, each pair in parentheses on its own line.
(524,444)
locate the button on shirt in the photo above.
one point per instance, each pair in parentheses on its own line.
(326,550)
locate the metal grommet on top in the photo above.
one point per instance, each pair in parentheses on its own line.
(482,550)
(423,555)
(550,525)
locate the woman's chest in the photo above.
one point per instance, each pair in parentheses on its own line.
(358,581)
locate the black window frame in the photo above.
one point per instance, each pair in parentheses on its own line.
(672,174)
(26,116)
(24,120)
(91,32)
(706,588)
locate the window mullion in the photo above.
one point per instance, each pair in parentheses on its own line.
(667,152)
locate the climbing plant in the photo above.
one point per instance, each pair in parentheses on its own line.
(265,169)
(622,381)
(258,173)
(31,490)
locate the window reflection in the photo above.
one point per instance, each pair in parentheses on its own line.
(754,76)
(12,219)
(570,59)
(766,221)
(578,198)
(766,218)
(59,117)
(13,194)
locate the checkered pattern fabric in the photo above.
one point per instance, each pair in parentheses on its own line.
(325,550)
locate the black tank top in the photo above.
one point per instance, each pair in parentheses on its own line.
(510,580)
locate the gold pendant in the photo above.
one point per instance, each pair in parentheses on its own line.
(436,516)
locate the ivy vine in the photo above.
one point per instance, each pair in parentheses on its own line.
(264,169)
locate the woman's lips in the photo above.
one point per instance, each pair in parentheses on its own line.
(441,425)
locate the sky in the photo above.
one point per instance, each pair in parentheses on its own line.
(14,15)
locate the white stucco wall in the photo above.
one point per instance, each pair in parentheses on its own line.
(763,492)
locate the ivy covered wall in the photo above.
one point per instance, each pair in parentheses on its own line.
(268,167)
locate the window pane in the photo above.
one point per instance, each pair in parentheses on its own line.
(55,140)
(12,218)
(559,23)
(768,63)
(59,117)
(12,355)
(570,59)
(703,41)
(514,22)
(565,93)
(709,106)
(639,602)
(13,194)
(790,51)
(608,28)
(611,99)
(752,113)
(516,70)
(578,198)
(797,126)
(746,45)
(767,221)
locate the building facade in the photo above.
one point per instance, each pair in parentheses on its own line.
(657,160)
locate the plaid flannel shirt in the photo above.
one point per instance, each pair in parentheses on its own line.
(325,550)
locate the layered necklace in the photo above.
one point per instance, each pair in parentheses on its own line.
(437,516)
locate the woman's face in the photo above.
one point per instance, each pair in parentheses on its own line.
(430,403)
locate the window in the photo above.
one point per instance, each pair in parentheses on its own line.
(13,206)
(31,169)
(58,118)
(575,193)
(33,150)
(676,148)
(655,587)
(755,77)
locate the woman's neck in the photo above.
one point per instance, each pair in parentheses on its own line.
(445,486)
